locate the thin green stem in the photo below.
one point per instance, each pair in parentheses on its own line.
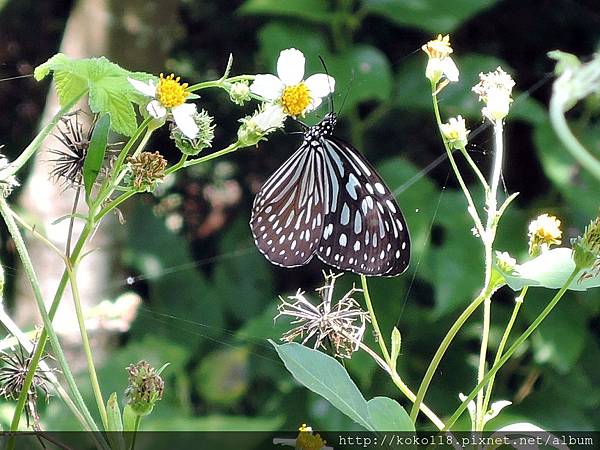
(471,205)
(579,152)
(113,204)
(220,82)
(378,335)
(13,229)
(512,349)
(441,351)
(402,386)
(192,162)
(18,163)
(476,170)
(487,313)
(503,341)
(86,348)
(136,427)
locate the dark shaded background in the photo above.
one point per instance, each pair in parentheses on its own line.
(210,311)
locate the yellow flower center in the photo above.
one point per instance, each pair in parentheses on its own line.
(295,99)
(170,92)
(438,48)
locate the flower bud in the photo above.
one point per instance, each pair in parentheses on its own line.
(265,120)
(505,262)
(239,93)
(455,132)
(203,139)
(586,248)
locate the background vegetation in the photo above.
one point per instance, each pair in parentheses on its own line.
(210,297)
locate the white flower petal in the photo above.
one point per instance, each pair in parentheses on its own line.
(450,69)
(148,89)
(184,119)
(314,104)
(267,86)
(290,66)
(320,85)
(495,409)
(156,110)
(470,406)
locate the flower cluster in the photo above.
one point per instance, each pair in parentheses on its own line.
(306,440)
(455,132)
(7,181)
(341,325)
(586,249)
(494,89)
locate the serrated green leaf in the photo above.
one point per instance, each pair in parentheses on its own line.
(95,155)
(551,270)
(109,90)
(387,415)
(436,16)
(312,10)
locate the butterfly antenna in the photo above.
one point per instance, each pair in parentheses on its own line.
(347,92)
(331,107)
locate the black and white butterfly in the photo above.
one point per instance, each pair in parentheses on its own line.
(328,200)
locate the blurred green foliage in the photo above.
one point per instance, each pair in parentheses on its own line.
(209,300)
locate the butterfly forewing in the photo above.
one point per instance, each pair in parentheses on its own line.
(364,230)
(287,215)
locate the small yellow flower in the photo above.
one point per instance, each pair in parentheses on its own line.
(494,89)
(440,63)
(169,96)
(543,232)
(455,132)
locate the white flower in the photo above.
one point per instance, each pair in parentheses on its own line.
(296,95)
(440,63)
(505,262)
(494,89)
(455,132)
(266,119)
(169,97)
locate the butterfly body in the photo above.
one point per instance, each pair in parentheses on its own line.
(328,200)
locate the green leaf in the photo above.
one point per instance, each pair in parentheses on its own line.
(551,270)
(325,376)
(436,16)
(95,155)
(129,419)
(312,10)
(115,425)
(387,415)
(107,85)
(396,344)
(414,91)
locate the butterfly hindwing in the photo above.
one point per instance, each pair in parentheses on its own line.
(287,215)
(364,230)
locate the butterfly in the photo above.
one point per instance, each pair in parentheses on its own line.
(328,200)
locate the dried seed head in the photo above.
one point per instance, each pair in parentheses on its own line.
(148,169)
(145,388)
(340,325)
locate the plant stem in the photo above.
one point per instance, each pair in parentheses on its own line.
(503,341)
(512,349)
(86,348)
(192,162)
(439,354)
(6,213)
(471,208)
(30,150)
(402,386)
(378,335)
(115,203)
(569,140)
(488,242)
